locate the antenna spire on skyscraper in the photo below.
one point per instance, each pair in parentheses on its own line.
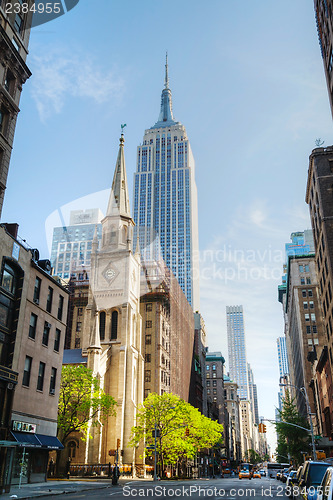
(166,83)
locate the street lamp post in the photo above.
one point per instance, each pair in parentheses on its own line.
(305,394)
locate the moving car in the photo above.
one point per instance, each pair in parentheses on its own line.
(262,472)
(257,474)
(244,474)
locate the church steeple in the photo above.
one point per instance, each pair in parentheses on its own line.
(166,118)
(119,199)
(117,223)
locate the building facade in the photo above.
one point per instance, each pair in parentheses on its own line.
(72,244)
(232,403)
(198,389)
(237,350)
(324,20)
(319,199)
(33,309)
(14,40)
(165,199)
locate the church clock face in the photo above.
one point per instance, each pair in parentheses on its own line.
(110,273)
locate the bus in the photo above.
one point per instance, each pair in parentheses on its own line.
(273,468)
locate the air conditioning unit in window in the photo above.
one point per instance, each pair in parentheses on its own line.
(36,301)
(48,325)
(52,391)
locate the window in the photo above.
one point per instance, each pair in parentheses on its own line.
(214,391)
(311,304)
(313,317)
(4,115)
(214,367)
(57,340)
(302,281)
(314,328)
(214,383)
(308,281)
(80,311)
(18,23)
(9,82)
(305,305)
(102,317)
(307,317)
(148,339)
(308,329)
(114,325)
(207,367)
(46,333)
(49,300)
(32,326)
(207,374)
(71,449)
(27,371)
(301,268)
(316,341)
(147,376)
(307,268)
(149,324)
(38,283)
(310,293)
(148,358)
(149,307)
(60,307)
(78,326)
(41,373)
(53,380)
(303,293)
(8,280)
(208,383)
(214,375)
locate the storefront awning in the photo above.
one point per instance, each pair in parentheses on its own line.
(37,441)
(26,439)
(50,442)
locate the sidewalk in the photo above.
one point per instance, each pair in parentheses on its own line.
(57,487)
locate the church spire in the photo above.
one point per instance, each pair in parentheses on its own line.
(119,199)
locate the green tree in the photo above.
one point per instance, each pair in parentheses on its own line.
(253,457)
(181,429)
(81,400)
(291,439)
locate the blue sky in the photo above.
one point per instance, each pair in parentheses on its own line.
(248,83)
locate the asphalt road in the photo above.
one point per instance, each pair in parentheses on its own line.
(226,488)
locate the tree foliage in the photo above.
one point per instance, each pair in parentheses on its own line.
(292,441)
(253,457)
(181,429)
(81,400)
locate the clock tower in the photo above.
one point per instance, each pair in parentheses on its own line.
(112,334)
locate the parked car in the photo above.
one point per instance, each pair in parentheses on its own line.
(310,479)
(325,490)
(291,482)
(262,472)
(256,474)
(284,475)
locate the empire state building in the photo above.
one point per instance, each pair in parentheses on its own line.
(165,198)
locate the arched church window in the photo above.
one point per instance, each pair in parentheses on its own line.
(114,325)
(102,317)
(71,446)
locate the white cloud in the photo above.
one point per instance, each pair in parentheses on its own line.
(57,76)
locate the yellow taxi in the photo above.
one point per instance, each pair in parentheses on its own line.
(256,474)
(244,474)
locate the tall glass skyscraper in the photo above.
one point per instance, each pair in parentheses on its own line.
(283,358)
(165,198)
(238,367)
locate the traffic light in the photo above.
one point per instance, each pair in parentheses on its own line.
(187,431)
(118,444)
(260,426)
(264,428)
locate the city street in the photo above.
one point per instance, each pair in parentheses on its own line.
(228,488)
